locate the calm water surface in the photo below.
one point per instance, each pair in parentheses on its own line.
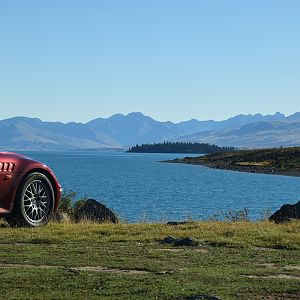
(139,188)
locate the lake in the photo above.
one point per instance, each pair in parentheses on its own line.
(139,188)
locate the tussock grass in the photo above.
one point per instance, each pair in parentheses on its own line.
(241,234)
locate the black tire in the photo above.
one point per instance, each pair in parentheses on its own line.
(34,202)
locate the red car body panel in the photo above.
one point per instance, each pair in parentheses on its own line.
(13,169)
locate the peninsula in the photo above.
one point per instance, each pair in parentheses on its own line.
(279,161)
(179,147)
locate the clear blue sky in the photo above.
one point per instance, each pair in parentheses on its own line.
(65,60)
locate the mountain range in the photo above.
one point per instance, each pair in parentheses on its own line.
(122,131)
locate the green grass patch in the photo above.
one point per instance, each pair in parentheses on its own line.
(238,260)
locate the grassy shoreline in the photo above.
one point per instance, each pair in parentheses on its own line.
(235,260)
(277,161)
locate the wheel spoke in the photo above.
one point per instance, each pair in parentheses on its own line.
(31,213)
(41,189)
(38,214)
(43,213)
(36,201)
(29,191)
(35,186)
(43,203)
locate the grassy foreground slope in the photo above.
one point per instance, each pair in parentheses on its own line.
(284,161)
(238,260)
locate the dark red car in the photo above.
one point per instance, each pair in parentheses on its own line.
(29,190)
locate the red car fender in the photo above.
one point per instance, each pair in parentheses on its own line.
(41,168)
(10,180)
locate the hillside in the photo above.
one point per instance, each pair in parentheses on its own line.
(283,161)
(122,132)
(34,134)
(262,134)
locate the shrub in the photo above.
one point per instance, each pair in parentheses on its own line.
(231,216)
(69,204)
(66,202)
(237,215)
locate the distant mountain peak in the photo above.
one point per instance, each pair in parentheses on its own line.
(115,116)
(22,118)
(127,130)
(279,114)
(136,113)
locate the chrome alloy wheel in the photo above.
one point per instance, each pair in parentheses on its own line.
(36,201)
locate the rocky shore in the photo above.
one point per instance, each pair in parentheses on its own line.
(277,161)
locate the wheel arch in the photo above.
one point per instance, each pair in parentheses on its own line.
(51,179)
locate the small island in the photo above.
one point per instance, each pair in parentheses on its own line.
(280,161)
(179,147)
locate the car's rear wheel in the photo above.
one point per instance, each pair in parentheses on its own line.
(34,202)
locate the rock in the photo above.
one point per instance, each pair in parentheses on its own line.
(177,223)
(188,241)
(168,240)
(286,213)
(94,211)
(200,297)
(60,217)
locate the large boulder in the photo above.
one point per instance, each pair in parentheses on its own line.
(287,212)
(94,211)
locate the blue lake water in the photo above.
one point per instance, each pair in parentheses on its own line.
(140,188)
